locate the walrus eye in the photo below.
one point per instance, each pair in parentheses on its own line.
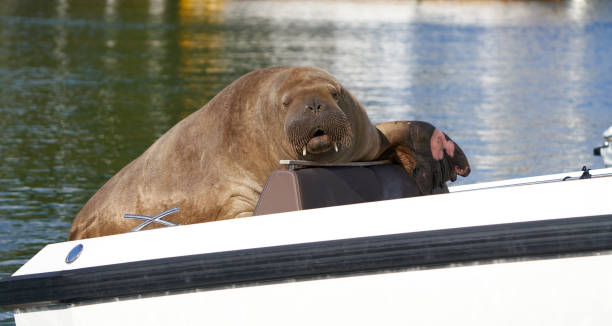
(334,94)
(286,103)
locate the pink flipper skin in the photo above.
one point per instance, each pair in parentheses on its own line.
(425,152)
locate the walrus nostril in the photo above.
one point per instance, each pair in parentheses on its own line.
(314,107)
(318,133)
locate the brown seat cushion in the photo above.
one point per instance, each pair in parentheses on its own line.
(315,187)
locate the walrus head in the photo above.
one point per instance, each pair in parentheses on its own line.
(316,124)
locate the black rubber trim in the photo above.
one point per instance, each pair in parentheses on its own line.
(311,260)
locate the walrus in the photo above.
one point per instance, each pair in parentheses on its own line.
(213,164)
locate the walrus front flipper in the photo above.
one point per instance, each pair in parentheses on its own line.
(425,152)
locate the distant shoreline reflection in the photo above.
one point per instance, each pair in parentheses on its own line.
(523,87)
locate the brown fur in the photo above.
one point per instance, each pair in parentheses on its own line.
(213,164)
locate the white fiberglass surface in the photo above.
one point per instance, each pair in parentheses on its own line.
(470,208)
(566,291)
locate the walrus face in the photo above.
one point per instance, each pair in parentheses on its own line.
(315,124)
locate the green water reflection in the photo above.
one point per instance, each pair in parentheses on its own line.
(86,86)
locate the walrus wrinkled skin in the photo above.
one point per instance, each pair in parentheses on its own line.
(214,163)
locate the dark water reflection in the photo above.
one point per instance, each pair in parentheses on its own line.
(86,86)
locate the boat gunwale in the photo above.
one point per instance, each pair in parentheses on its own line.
(302,261)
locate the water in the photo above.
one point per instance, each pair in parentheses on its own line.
(86,86)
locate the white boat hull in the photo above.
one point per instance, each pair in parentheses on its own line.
(531,251)
(570,291)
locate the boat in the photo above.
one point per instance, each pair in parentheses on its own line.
(513,252)
(605,151)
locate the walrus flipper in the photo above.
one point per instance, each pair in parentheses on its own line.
(425,152)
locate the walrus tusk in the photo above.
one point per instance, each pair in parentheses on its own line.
(336,147)
(250,96)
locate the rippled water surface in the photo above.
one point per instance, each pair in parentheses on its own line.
(86,86)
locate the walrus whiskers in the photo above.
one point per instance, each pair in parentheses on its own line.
(266,115)
(333,124)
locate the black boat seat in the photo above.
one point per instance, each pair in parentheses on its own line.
(316,187)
